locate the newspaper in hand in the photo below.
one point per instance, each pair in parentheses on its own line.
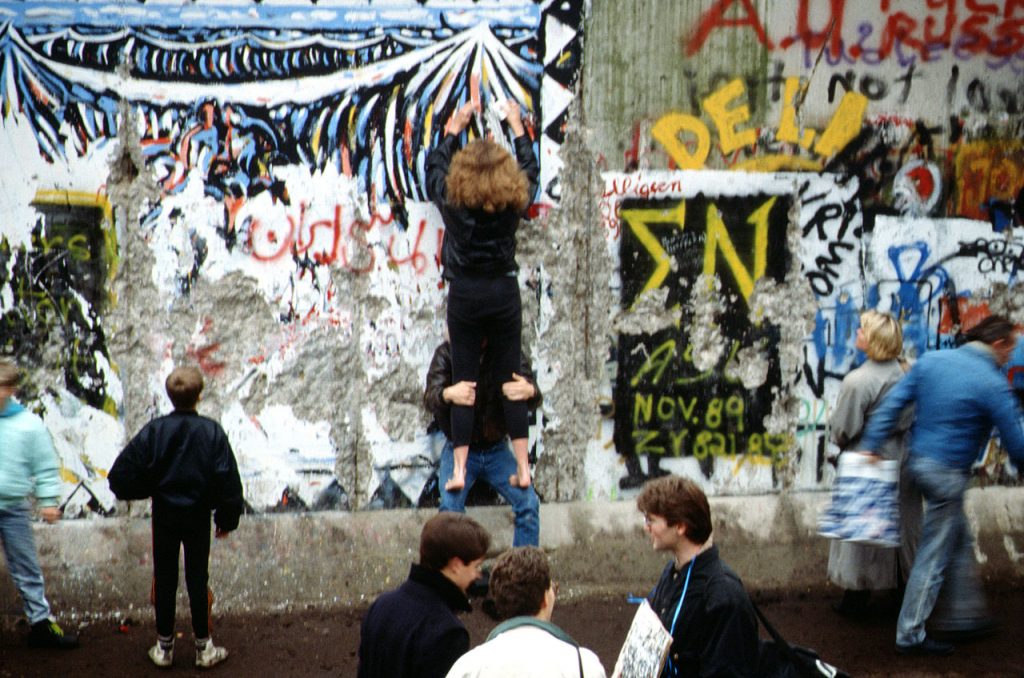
(646,648)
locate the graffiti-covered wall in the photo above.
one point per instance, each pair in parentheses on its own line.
(725,185)
(239,185)
(773,169)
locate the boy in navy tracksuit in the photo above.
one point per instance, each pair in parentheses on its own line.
(185,463)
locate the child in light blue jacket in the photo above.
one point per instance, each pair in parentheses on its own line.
(28,466)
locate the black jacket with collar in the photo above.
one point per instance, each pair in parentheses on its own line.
(716,632)
(477,243)
(184,462)
(413,631)
(488,416)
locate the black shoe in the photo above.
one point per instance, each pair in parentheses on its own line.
(926,646)
(48,634)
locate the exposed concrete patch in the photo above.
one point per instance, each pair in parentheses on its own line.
(750,366)
(790,307)
(705,335)
(132,192)
(573,336)
(648,315)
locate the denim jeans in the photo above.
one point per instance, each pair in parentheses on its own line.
(20,551)
(945,556)
(493,465)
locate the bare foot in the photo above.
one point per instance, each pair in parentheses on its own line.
(457,482)
(521,478)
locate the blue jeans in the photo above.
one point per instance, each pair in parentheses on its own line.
(493,465)
(945,556)
(20,551)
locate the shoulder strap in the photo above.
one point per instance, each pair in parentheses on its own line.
(776,636)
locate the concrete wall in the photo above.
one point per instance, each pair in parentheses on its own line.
(333,559)
(725,184)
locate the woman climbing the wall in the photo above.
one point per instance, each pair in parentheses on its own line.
(482,192)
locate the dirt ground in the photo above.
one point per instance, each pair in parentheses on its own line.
(317,642)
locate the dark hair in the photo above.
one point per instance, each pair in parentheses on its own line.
(184,384)
(990,330)
(452,535)
(681,502)
(519,581)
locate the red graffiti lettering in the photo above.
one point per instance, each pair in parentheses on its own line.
(640,187)
(715,17)
(333,228)
(334,241)
(966,27)
(204,357)
(417,259)
(260,234)
(357,232)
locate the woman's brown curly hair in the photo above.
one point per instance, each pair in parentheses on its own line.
(483,175)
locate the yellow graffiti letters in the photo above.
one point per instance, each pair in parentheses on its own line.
(678,438)
(77,246)
(788,130)
(718,239)
(727,119)
(687,139)
(639,221)
(758,449)
(665,409)
(656,363)
(667,131)
(844,125)
(642,440)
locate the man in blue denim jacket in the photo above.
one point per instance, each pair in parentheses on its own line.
(960,395)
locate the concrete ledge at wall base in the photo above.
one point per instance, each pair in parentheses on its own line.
(102,568)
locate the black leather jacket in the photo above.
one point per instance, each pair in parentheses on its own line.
(488,417)
(477,243)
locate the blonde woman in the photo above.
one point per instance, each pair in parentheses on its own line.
(859,568)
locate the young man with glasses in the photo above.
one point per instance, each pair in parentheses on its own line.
(699,600)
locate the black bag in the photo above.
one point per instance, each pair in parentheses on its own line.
(778,659)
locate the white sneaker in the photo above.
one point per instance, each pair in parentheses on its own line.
(211,655)
(161,657)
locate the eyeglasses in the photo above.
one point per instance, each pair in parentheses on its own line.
(554,587)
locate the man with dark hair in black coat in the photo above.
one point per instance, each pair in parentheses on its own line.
(699,600)
(413,631)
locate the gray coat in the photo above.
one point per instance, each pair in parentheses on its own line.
(856,566)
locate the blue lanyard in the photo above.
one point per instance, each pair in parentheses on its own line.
(675,617)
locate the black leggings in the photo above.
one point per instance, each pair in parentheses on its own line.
(172,530)
(479,309)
